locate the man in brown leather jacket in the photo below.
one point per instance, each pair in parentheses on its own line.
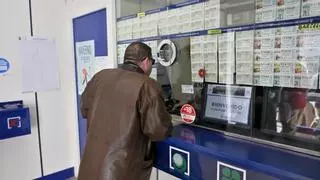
(125,112)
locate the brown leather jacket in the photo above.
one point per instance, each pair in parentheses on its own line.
(126,112)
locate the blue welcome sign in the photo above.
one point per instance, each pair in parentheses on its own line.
(4,65)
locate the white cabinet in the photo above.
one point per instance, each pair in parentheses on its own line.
(166,176)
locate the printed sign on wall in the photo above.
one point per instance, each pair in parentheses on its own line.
(179,160)
(229,172)
(85,53)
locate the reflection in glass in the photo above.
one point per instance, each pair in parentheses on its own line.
(293,112)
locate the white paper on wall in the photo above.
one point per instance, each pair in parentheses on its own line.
(39,64)
(102,62)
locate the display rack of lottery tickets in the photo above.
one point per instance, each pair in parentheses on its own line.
(268,48)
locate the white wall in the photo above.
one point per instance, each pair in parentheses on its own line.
(19,157)
(58,115)
(165,176)
(57,108)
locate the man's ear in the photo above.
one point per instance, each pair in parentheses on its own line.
(145,61)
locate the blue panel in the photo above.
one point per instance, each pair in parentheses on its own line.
(64,174)
(82,126)
(260,161)
(14,120)
(92,26)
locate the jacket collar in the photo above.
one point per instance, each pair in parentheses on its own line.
(131,66)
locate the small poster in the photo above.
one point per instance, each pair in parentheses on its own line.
(85,54)
(263,66)
(204,56)
(310,8)
(306,68)
(226,43)
(244,57)
(210,52)
(211,14)
(266,10)
(288,9)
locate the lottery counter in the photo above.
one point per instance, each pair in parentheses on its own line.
(197,153)
(244,76)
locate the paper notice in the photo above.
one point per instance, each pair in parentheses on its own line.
(244,78)
(226,78)
(287,12)
(211,77)
(187,89)
(310,8)
(204,53)
(266,14)
(307,60)
(211,15)
(39,65)
(244,57)
(102,62)
(283,80)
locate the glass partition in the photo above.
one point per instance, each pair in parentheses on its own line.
(248,67)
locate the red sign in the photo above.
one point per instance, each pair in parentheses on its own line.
(188,113)
(202,73)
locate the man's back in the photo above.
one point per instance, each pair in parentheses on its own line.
(125,111)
